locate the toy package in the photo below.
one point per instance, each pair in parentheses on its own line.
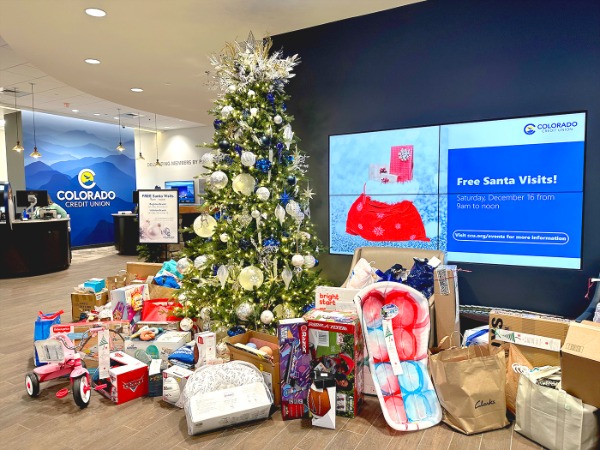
(127,302)
(336,343)
(294,367)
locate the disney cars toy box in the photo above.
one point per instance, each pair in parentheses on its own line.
(128,378)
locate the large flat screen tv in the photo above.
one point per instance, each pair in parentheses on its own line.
(506,191)
(23,198)
(185,190)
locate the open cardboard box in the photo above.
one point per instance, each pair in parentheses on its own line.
(269,366)
(580,362)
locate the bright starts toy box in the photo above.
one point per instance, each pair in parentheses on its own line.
(336,340)
(128,378)
(294,367)
(160,347)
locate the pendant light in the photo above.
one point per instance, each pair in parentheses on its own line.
(34,154)
(120,146)
(140,156)
(157,163)
(17,148)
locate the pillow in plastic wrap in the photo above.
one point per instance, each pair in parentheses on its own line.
(216,377)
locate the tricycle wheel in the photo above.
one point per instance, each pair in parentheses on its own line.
(32,384)
(82,391)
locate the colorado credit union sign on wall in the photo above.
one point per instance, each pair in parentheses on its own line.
(87,198)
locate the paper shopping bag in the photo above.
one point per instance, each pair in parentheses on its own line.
(553,418)
(470,384)
(515,366)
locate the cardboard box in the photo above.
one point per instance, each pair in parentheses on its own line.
(269,366)
(127,302)
(160,347)
(581,362)
(213,410)
(128,378)
(538,337)
(89,351)
(206,343)
(447,323)
(140,271)
(174,380)
(294,367)
(156,291)
(82,303)
(337,340)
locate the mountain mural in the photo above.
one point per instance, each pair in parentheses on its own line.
(68,146)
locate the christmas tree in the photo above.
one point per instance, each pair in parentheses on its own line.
(254,259)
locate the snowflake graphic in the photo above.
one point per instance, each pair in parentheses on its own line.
(360,227)
(385,180)
(359,207)
(397,226)
(380,215)
(378,231)
(413,237)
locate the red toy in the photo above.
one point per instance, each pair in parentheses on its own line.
(63,360)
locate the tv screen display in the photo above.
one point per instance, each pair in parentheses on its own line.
(506,191)
(23,198)
(185,190)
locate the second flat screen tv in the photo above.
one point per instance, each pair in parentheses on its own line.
(504,191)
(185,190)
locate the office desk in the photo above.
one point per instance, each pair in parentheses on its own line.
(34,247)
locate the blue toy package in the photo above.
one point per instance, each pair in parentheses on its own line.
(41,330)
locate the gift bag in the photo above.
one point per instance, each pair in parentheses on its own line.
(159,310)
(470,384)
(41,330)
(555,419)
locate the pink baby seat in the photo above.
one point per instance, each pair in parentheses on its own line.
(395,322)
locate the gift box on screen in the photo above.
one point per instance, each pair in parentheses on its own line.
(401,162)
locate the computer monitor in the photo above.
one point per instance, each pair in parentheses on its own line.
(24,201)
(185,190)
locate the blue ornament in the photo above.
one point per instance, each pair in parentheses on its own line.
(283,107)
(271,98)
(316,262)
(285,198)
(264,165)
(238,148)
(291,180)
(228,160)
(215,268)
(307,308)
(244,244)
(265,140)
(280,146)
(271,244)
(224,144)
(285,234)
(220,216)
(217,123)
(234,331)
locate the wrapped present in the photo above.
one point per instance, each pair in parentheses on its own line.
(401,162)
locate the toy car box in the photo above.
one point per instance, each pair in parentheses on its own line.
(128,379)
(294,367)
(336,340)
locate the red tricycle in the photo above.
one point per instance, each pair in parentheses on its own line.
(63,359)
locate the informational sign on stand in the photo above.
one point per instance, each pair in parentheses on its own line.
(158,217)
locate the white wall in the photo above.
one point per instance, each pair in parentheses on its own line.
(3,165)
(177,152)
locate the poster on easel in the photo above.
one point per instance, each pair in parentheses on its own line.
(158,217)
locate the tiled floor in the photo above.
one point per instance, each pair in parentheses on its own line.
(51,423)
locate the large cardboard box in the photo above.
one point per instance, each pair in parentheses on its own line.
(160,347)
(269,366)
(337,339)
(140,271)
(446,323)
(538,337)
(84,302)
(581,362)
(212,410)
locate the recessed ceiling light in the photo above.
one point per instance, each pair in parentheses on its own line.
(166,128)
(92,61)
(137,90)
(95,12)
(75,110)
(97,114)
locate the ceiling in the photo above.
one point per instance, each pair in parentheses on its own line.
(161,46)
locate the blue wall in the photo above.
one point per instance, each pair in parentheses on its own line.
(82,172)
(445,61)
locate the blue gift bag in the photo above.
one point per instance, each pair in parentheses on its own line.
(41,330)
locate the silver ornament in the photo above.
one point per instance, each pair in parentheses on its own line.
(309,261)
(280,214)
(183,265)
(297,260)
(218,179)
(255,214)
(200,261)
(266,317)
(248,159)
(243,183)
(250,277)
(286,276)
(207,159)
(226,111)
(263,194)
(224,237)
(292,208)
(244,311)
(204,225)
(277,119)
(186,324)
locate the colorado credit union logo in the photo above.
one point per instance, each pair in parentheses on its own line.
(529,128)
(87,178)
